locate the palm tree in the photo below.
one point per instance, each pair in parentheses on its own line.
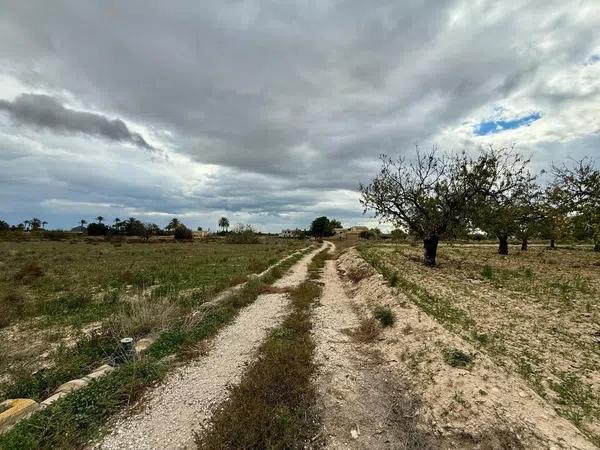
(173,224)
(44,223)
(224,223)
(35,223)
(82,222)
(99,219)
(27,223)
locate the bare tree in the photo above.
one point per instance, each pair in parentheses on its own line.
(576,189)
(502,185)
(428,196)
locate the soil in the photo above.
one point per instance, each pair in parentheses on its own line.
(481,406)
(365,404)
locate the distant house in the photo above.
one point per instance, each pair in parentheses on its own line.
(288,233)
(200,234)
(352,232)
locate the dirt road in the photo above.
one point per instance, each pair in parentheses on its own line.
(392,390)
(171,412)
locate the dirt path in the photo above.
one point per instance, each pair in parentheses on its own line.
(185,401)
(365,405)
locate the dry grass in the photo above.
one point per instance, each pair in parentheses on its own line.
(29,273)
(368,330)
(142,315)
(358,273)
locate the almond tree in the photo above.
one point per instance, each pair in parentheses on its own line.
(428,196)
(577,190)
(502,186)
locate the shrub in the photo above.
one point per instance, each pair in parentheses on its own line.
(398,235)
(394,279)
(55,235)
(385,315)
(242,235)
(487,272)
(183,233)
(97,229)
(457,358)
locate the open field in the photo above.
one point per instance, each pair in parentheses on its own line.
(54,294)
(534,313)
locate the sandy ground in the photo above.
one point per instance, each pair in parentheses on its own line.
(479,407)
(363,403)
(185,400)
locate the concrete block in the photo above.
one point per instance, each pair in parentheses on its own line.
(71,386)
(99,372)
(142,345)
(16,409)
(52,399)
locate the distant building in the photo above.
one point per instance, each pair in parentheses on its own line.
(352,232)
(290,233)
(200,234)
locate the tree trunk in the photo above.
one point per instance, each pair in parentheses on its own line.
(552,246)
(430,244)
(503,244)
(524,245)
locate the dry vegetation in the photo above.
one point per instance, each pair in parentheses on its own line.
(535,313)
(54,294)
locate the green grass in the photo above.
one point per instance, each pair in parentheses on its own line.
(59,279)
(52,289)
(73,420)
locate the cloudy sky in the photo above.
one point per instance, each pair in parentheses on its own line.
(272,112)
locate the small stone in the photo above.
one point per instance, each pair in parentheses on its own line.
(522,394)
(354,433)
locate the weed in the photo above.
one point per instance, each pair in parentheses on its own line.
(487,272)
(457,358)
(385,315)
(459,397)
(358,273)
(393,280)
(367,331)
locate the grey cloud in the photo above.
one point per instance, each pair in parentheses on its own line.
(48,112)
(292,101)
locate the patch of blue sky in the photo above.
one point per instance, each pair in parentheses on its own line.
(496,126)
(592,60)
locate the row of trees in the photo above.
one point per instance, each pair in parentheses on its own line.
(130,227)
(33,224)
(438,195)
